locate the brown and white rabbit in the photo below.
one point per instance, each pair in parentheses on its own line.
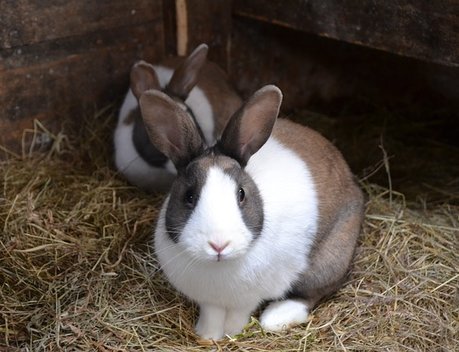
(271,212)
(198,86)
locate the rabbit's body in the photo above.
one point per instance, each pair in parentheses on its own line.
(254,282)
(258,217)
(135,157)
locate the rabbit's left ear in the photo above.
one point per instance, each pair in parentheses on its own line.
(186,75)
(143,78)
(251,126)
(170,128)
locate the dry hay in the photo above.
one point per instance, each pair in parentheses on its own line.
(76,272)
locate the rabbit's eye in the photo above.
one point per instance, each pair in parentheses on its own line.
(241,195)
(190,198)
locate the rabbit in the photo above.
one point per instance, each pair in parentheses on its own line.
(198,86)
(271,212)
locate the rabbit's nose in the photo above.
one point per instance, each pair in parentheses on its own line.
(218,248)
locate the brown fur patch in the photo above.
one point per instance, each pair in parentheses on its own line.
(340,210)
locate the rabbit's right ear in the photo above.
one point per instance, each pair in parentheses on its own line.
(170,128)
(251,126)
(186,75)
(143,78)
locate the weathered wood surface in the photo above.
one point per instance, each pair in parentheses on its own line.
(423,29)
(333,76)
(28,22)
(63,69)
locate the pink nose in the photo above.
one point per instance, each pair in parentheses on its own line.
(218,248)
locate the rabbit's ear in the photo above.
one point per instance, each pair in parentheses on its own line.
(186,75)
(251,126)
(170,129)
(143,78)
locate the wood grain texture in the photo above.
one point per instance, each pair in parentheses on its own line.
(28,22)
(423,29)
(55,80)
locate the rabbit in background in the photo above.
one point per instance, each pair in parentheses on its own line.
(197,86)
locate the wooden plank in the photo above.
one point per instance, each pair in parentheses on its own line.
(422,29)
(27,22)
(207,22)
(55,80)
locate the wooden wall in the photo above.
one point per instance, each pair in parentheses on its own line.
(330,75)
(336,53)
(58,57)
(329,53)
(422,29)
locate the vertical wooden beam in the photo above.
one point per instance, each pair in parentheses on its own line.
(182,27)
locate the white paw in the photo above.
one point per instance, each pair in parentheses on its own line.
(235,321)
(210,323)
(209,332)
(282,315)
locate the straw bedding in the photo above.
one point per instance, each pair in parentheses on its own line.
(77,273)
